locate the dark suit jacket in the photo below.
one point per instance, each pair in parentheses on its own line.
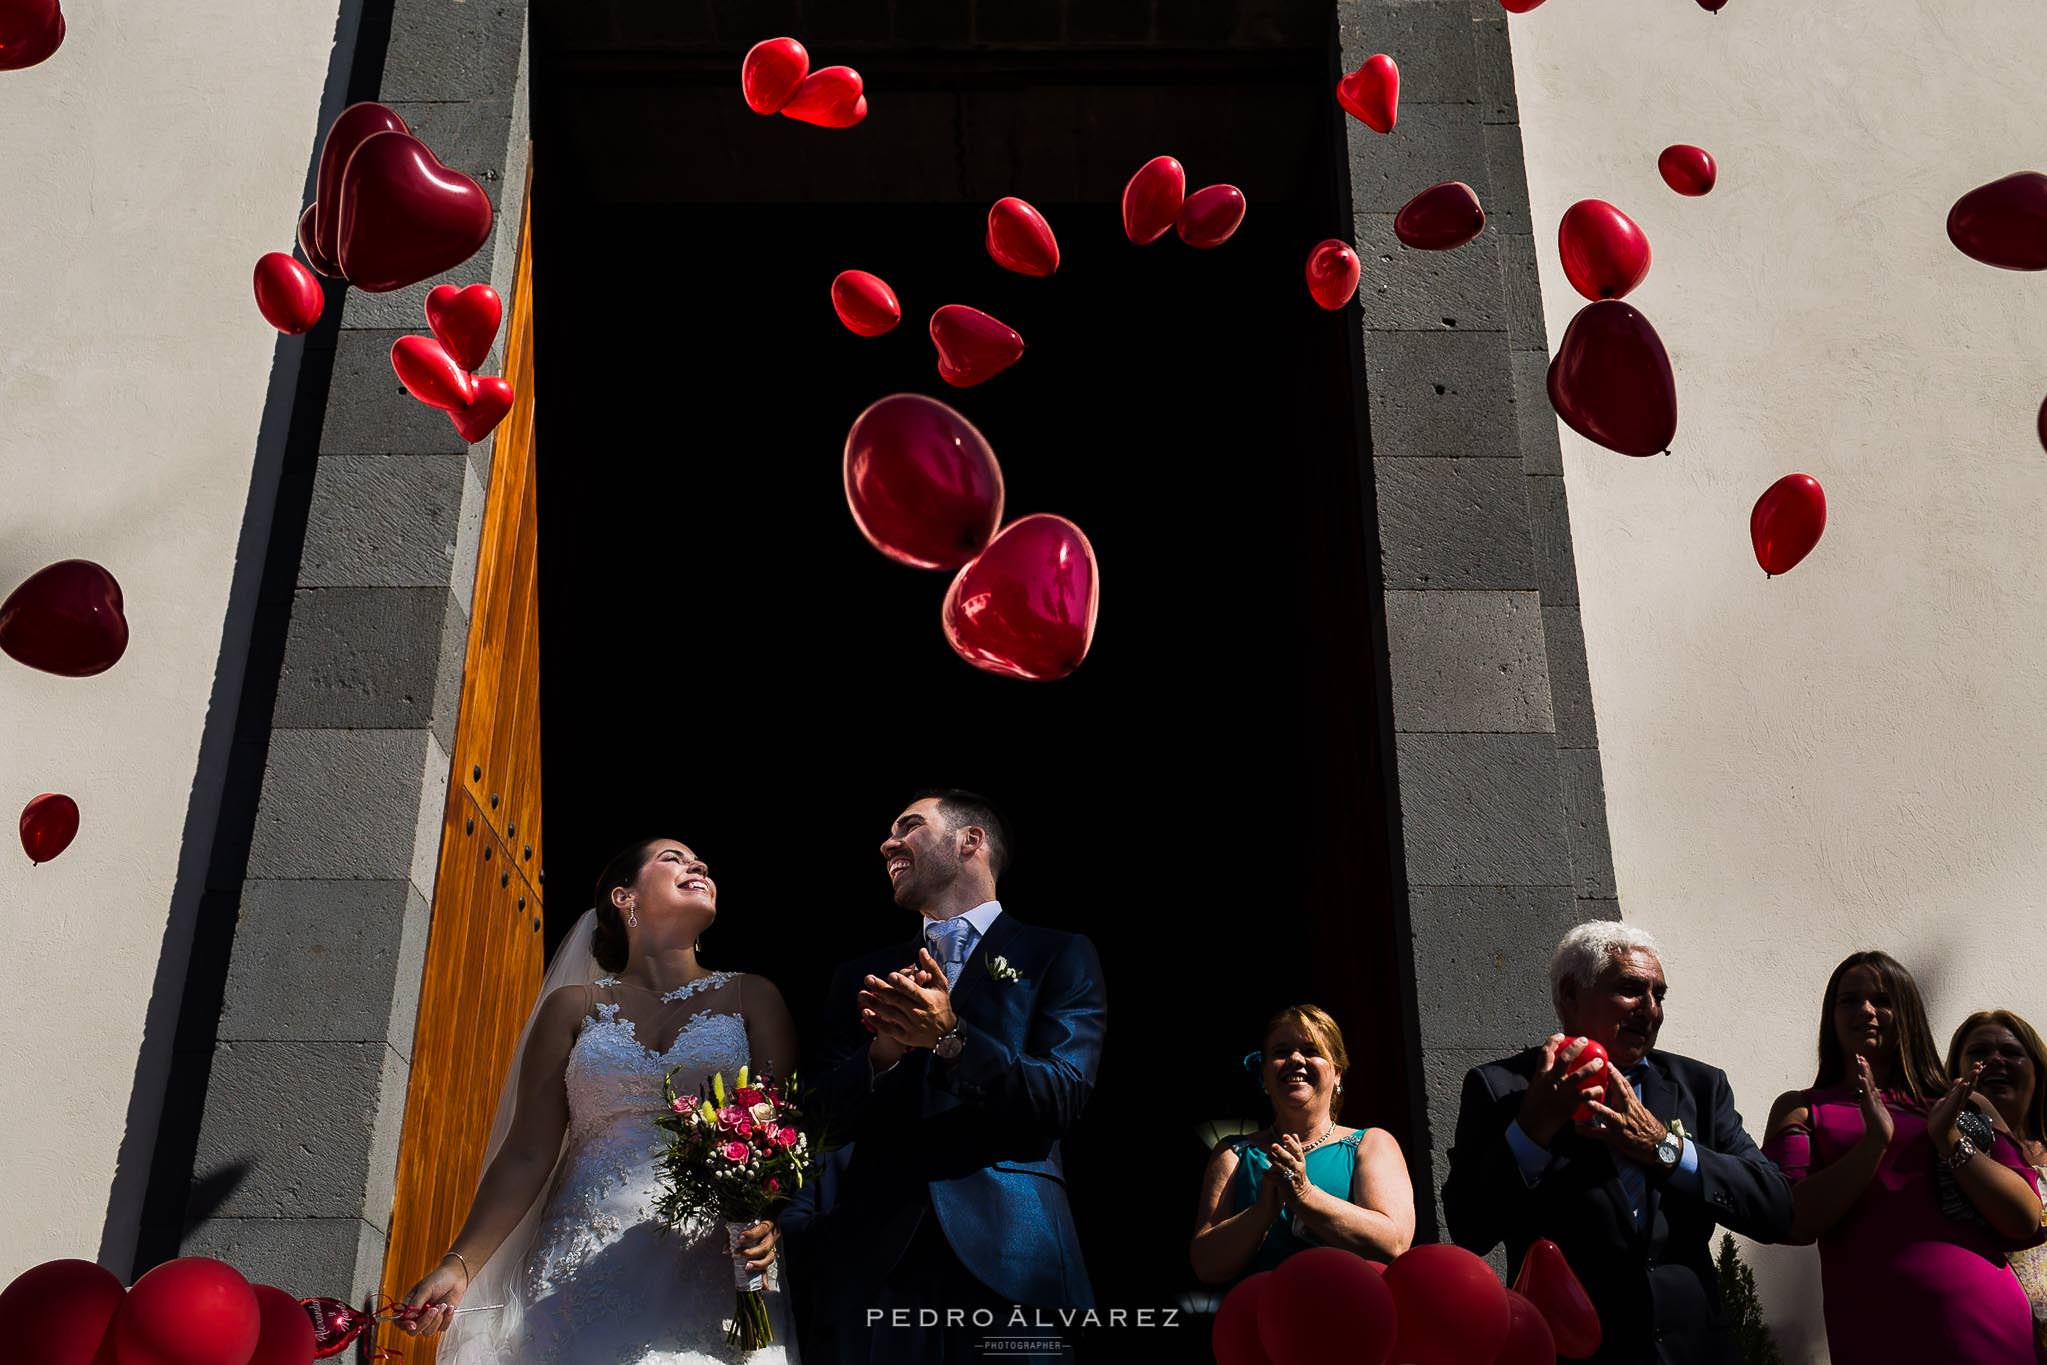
(1656,1290)
(975,1140)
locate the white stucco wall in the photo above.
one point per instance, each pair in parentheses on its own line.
(147,165)
(1854,754)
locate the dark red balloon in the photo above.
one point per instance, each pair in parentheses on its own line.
(1371,94)
(831,98)
(1211,216)
(1687,169)
(2040,424)
(1153,199)
(351,127)
(287,295)
(310,249)
(48,825)
(1529,1341)
(191,1311)
(1786,522)
(1611,383)
(1712,6)
(1594,1050)
(1519,6)
(30,31)
(1453,1308)
(57,1313)
(1326,1304)
(336,1325)
(1605,254)
(865,303)
(772,73)
(972,347)
(1020,239)
(405,216)
(66,619)
(2003,223)
(286,1333)
(1333,274)
(465,321)
(494,398)
(1025,607)
(922,482)
(430,374)
(1233,1339)
(1547,1282)
(1440,217)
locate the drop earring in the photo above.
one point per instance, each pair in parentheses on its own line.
(632,920)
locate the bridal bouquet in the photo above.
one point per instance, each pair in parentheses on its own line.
(732,1156)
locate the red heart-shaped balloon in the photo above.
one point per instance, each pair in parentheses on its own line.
(865,303)
(1610,380)
(1547,1282)
(430,374)
(972,346)
(1211,215)
(922,482)
(1687,169)
(48,825)
(1786,522)
(465,321)
(1605,254)
(1593,1051)
(830,98)
(311,248)
(1020,239)
(1371,94)
(1440,218)
(2003,223)
(1333,274)
(1529,1339)
(494,398)
(66,619)
(1153,199)
(336,1325)
(771,74)
(350,129)
(30,30)
(1025,607)
(405,216)
(287,295)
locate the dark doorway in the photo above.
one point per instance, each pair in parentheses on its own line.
(724,657)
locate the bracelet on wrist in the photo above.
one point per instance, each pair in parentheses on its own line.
(468,1275)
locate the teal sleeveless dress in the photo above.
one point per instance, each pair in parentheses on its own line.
(1329,1170)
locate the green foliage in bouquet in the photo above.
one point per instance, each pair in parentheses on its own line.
(1744,1308)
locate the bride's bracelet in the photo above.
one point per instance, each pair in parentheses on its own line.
(468,1276)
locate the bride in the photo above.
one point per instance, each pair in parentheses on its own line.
(562,1232)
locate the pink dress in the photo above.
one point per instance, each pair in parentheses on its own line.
(1903,1282)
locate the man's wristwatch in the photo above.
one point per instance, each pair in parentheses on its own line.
(1668,1150)
(949,1045)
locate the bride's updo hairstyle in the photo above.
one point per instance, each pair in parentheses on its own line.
(608,944)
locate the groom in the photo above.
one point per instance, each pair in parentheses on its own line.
(955,1062)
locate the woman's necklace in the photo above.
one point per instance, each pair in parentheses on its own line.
(1327,1129)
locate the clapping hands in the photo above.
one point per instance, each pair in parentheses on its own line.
(909,1008)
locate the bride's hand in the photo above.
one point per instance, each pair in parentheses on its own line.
(436,1297)
(758,1243)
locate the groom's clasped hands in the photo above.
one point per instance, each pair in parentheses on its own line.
(908,1009)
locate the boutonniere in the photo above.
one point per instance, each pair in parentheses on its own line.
(999,968)
(1678,1126)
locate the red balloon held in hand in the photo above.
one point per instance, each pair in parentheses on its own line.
(831,98)
(321,264)
(191,1311)
(1153,199)
(1326,1304)
(1440,218)
(1453,1308)
(2003,223)
(287,295)
(1687,169)
(336,1325)
(1020,239)
(1529,1339)
(30,31)
(430,374)
(465,321)
(922,482)
(351,127)
(772,73)
(1025,607)
(1371,94)
(972,347)
(1611,383)
(1605,254)
(1211,216)
(405,216)
(1547,1282)
(1234,1339)
(66,618)
(1594,1050)
(865,303)
(48,825)
(1786,522)
(493,400)
(1333,274)
(57,1313)
(285,1333)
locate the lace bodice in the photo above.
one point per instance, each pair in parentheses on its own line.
(614,1080)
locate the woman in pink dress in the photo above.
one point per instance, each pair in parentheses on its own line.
(1913,1216)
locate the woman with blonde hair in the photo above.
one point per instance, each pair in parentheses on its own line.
(2013,1059)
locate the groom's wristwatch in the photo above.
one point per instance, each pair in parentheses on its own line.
(1668,1151)
(949,1045)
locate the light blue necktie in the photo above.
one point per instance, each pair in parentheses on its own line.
(951,940)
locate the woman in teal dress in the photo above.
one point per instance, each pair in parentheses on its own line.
(1305,1180)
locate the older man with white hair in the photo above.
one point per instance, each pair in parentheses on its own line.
(1633,1192)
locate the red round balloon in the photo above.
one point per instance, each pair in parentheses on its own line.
(493,400)
(405,216)
(310,249)
(1025,607)
(1020,239)
(1153,199)
(287,295)
(350,129)
(1453,1308)
(285,1336)
(1529,1341)
(66,619)
(1519,6)
(57,1313)
(922,482)
(1687,169)
(772,73)
(834,97)
(972,347)
(1440,218)
(2003,223)
(1211,216)
(1611,383)
(1326,1304)
(465,321)
(1605,254)
(865,303)
(191,1311)
(2040,424)
(1546,1280)
(48,825)
(1594,1050)
(1712,6)
(1786,522)
(430,374)
(30,31)
(1333,274)
(1233,1339)
(1371,94)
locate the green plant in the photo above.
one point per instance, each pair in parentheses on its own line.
(1744,1308)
